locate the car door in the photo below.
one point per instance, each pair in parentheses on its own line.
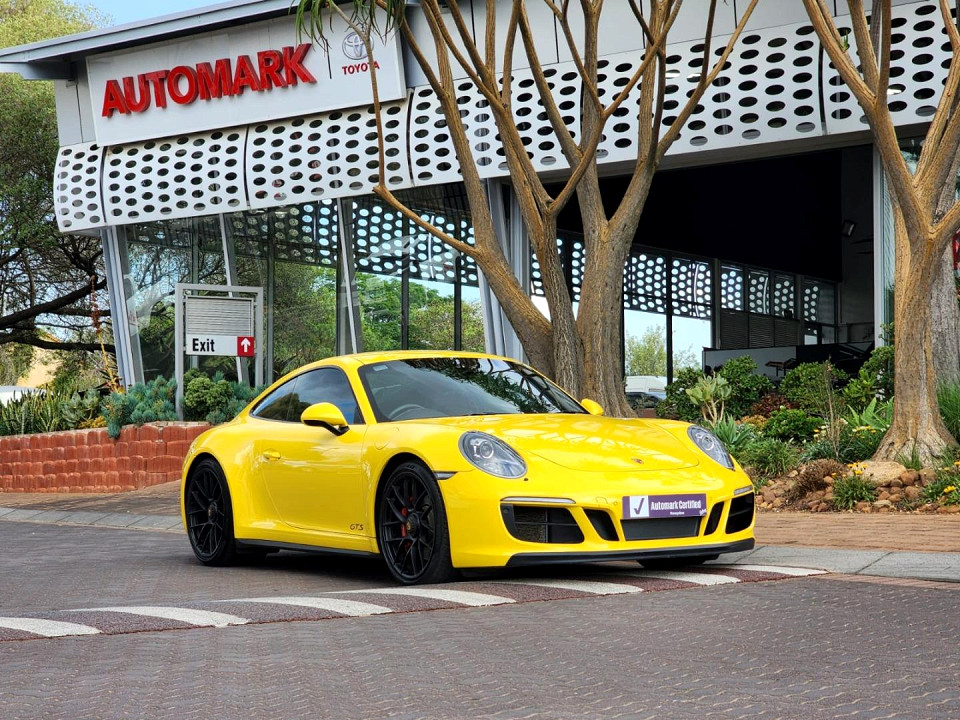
(312,475)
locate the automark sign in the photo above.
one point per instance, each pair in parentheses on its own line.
(250,73)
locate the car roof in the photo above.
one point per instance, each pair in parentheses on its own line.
(378,356)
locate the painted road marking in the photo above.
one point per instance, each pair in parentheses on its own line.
(480,593)
(200,618)
(462,597)
(695,578)
(353,608)
(586,586)
(791,571)
(47,628)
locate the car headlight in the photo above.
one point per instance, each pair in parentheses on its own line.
(711,446)
(491,455)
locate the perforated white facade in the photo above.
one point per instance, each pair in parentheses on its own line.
(779,86)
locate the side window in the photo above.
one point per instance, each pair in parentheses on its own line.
(327,385)
(279,405)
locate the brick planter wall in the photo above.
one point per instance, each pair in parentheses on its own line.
(91,461)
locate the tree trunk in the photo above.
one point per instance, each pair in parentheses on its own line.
(599,322)
(917,427)
(945,322)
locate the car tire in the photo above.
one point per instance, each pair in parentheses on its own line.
(412,527)
(209,514)
(674,563)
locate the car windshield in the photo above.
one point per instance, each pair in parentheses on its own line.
(459,386)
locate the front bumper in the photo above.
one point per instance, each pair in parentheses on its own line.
(483,534)
(679,553)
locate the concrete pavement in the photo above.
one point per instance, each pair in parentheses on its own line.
(910,546)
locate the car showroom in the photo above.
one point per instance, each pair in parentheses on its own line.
(216,147)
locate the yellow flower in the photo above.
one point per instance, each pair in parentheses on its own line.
(957,463)
(948,489)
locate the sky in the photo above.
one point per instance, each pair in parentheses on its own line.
(124,11)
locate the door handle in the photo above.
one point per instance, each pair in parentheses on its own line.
(271,455)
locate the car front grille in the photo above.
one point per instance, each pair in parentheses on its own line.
(660,528)
(541,524)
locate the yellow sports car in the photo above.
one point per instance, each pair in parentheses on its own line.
(445,460)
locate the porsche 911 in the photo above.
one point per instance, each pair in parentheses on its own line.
(443,461)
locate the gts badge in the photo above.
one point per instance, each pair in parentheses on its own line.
(356,527)
(638,461)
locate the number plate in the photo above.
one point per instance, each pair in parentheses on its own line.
(664,506)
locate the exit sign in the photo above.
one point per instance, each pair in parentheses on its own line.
(212,345)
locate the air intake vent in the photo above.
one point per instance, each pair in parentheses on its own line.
(741,514)
(603,524)
(714,520)
(541,524)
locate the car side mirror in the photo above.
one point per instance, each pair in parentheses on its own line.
(325,415)
(591,406)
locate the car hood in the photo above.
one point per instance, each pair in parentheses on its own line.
(587,443)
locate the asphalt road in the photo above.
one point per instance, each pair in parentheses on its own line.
(723,643)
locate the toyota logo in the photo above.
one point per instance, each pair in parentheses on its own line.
(353,47)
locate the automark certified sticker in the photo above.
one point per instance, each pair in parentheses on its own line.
(664,506)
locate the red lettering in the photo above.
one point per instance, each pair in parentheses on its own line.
(185,84)
(156,79)
(215,82)
(359,67)
(113,100)
(173,85)
(270,63)
(135,104)
(245,76)
(293,64)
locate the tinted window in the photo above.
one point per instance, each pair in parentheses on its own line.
(326,385)
(278,404)
(450,387)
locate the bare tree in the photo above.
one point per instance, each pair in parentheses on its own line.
(580,350)
(47,279)
(926,217)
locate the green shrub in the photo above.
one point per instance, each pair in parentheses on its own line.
(735,436)
(861,443)
(806,385)
(879,367)
(678,404)
(848,491)
(874,381)
(948,397)
(769,457)
(746,388)
(141,403)
(746,385)
(853,444)
(791,425)
(946,488)
(80,409)
(710,394)
(34,412)
(215,400)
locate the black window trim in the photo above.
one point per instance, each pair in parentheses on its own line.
(253,411)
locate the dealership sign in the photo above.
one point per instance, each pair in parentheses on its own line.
(247,74)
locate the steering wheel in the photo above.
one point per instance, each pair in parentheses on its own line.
(404,409)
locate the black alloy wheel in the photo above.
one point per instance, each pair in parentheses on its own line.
(209,514)
(412,527)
